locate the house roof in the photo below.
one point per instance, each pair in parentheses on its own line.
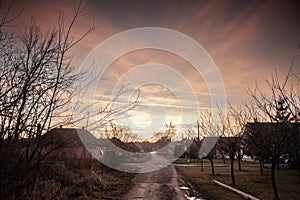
(70,137)
(272,126)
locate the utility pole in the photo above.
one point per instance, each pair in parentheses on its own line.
(87,121)
(198,129)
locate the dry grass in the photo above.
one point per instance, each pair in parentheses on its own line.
(81,179)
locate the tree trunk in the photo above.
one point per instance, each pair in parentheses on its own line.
(223,158)
(1,196)
(261,167)
(298,164)
(278,167)
(239,163)
(298,171)
(36,179)
(212,167)
(276,197)
(232,170)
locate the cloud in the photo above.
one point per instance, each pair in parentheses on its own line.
(246,40)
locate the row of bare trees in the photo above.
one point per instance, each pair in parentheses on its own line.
(277,114)
(266,127)
(229,143)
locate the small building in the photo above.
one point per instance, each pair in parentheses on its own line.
(73,143)
(265,138)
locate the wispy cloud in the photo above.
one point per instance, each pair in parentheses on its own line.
(246,40)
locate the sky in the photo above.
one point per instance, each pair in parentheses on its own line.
(245,39)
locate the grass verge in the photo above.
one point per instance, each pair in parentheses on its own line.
(248,180)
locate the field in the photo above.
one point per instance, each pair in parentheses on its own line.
(248,180)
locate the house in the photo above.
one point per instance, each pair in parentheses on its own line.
(71,142)
(264,139)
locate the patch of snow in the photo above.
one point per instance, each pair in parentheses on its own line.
(192,198)
(184,188)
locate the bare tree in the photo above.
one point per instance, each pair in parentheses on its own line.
(281,108)
(124,133)
(231,140)
(167,135)
(37,85)
(206,125)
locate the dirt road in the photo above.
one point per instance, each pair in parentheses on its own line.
(163,184)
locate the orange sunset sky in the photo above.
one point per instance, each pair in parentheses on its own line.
(246,40)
